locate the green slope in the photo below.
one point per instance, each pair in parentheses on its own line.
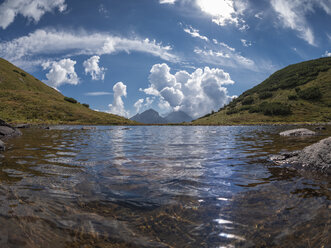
(299,93)
(25,99)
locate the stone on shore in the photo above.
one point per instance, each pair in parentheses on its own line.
(7,130)
(316,157)
(298,132)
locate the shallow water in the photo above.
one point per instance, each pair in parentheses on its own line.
(159,187)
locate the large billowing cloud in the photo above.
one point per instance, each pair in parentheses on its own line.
(196,94)
(117,107)
(32,9)
(92,67)
(52,42)
(61,72)
(293,14)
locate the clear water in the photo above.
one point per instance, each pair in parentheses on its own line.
(159,187)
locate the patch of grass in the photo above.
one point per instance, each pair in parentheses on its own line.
(35,102)
(307,86)
(86,105)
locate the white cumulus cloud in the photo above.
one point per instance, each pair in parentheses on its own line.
(138,105)
(92,67)
(117,107)
(61,72)
(246,43)
(31,9)
(327,54)
(167,1)
(195,33)
(196,94)
(64,43)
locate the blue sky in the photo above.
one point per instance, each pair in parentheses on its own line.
(192,55)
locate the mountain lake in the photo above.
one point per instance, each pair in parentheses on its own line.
(160,186)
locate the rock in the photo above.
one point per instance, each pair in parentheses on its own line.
(22,126)
(316,157)
(89,128)
(2,146)
(298,132)
(7,131)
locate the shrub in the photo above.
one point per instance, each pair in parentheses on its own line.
(297,89)
(16,71)
(86,105)
(243,108)
(232,111)
(248,100)
(23,74)
(292,97)
(265,95)
(70,99)
(311,93)
(274,108)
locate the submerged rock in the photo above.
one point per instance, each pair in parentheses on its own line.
(2,146)
(88,128)
(316,157)
(298,132)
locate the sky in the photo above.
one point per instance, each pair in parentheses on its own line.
(126,56)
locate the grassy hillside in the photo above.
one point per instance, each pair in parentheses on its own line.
(25,99)
(299,93)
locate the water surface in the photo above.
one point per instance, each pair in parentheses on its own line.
(159,187)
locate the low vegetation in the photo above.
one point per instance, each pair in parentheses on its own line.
(297,93)
(70,99)
(25,99)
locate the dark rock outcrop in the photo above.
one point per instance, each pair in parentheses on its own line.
(298,132)
(316,157)
(6,131)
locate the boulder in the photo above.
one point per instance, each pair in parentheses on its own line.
(7,131)
(298,132)
(316,157)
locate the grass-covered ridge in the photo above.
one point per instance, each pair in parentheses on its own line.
(25,99)
(299,93)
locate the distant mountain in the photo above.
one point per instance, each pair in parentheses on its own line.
(178,117)
(299,93)
(25,99)
(149,116)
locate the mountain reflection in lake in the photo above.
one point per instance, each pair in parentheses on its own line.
(159,187)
